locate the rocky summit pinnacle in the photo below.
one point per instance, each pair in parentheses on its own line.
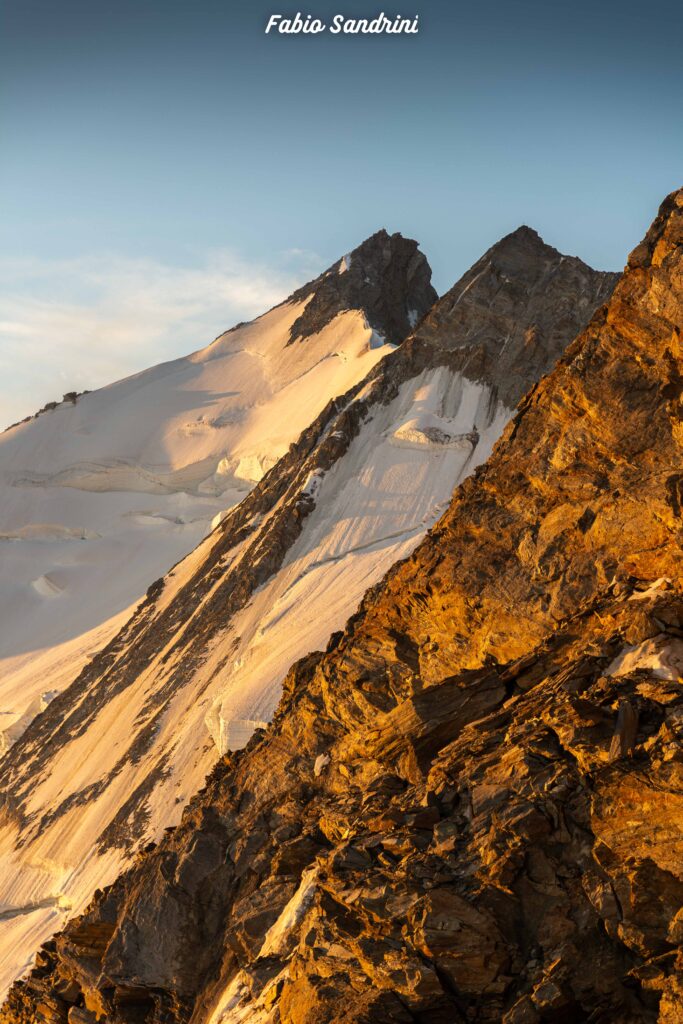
(514,309)
(387,277)
(468,808)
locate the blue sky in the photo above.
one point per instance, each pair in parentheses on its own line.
(168,169)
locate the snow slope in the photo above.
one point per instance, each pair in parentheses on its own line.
(371,508)
(100,498)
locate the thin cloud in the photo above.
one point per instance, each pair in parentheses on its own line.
(79,324)
(305,257)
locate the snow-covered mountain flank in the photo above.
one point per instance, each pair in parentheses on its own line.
(112,760)
(101,496)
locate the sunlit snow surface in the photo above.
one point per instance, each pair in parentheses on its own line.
(99,499)
(371,508)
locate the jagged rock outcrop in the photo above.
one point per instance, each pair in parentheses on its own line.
(481,312)
(387,277)
(470,806)
(71,397)
(201,663)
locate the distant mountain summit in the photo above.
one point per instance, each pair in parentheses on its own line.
(514,310)
(199,667)
(387,277)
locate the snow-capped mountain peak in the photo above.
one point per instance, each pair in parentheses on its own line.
(112,760)
(104,493)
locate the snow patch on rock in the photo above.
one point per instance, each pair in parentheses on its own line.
(228,732)
(312,483)
(660,656)
(663,583)
(219,517)
(278,939)
(236,1006)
